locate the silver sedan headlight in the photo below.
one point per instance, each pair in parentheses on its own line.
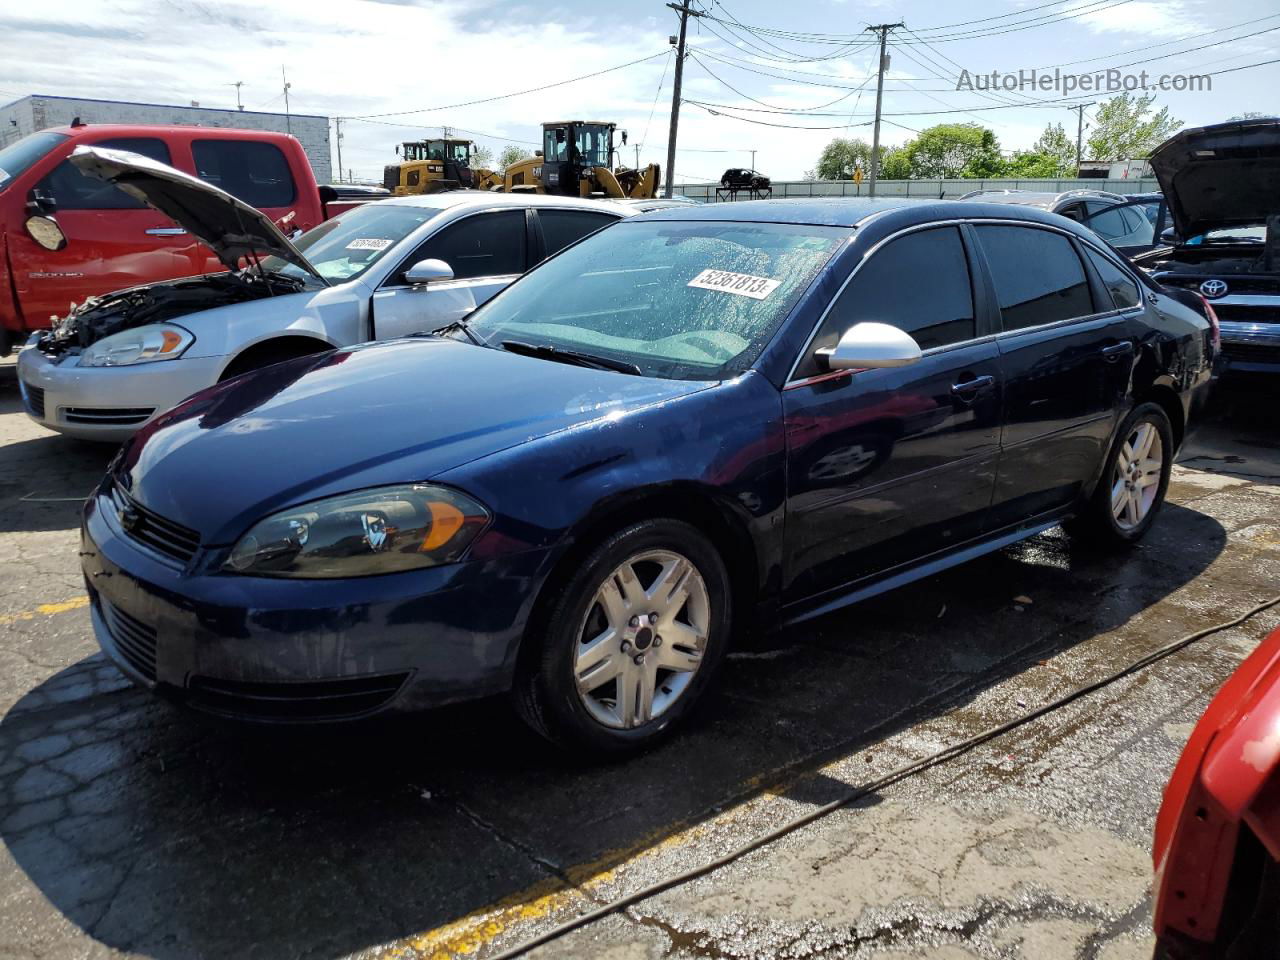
(381,530)
(157,341)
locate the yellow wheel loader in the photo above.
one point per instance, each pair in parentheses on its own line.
(576,160)
(430,166)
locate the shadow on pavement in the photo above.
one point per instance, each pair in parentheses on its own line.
(162,835)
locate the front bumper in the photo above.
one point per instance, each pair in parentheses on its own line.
(279,650)
(1250,347)
(107,403)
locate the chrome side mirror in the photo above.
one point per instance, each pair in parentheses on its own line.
(430,270)
(46,232)
(871,345)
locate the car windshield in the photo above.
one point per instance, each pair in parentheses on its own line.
(686,300)
(345,247)
(18,156)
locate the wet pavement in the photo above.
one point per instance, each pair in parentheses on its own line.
(129,827)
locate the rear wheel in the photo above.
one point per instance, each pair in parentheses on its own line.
(630,642)
(1134,480)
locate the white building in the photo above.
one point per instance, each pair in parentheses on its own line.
(39,111)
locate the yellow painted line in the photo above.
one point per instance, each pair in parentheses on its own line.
(470,934)
(44,610)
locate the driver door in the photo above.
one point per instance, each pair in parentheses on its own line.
(486,251)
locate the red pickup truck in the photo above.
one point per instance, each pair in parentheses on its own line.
(65,237)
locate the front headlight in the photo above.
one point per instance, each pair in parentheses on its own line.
(159,341)
(383,530)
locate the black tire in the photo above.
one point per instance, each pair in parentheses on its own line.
(1096,523)
(546,694)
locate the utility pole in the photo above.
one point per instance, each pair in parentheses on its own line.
(1079,108)
(238,84)
(637,146)
(883,30)
(288,124)
(337,122)
(685,12)
(753,159)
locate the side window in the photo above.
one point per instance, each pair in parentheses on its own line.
(249,170)
(919,283)
(72,190)
(482,245)
(1037,275)
(563,227)
(1107,222)
(1074,211)
(1124,292)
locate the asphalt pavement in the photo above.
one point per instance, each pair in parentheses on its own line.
(128,827)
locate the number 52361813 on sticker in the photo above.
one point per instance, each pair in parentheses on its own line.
(743,284)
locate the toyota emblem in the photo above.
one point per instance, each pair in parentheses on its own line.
(1213,288)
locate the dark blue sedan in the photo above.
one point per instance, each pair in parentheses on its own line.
(692,422)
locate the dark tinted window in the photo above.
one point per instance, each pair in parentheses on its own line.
(483,245)
(1124,292)
(563,227)
(255,172)
(1108,223)
(21,154)
(918,283)
(74,191)
(1038,277)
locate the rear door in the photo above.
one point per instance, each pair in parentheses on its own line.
(561,228)
(888,466)
(1065,354)
(113,240)
(486,251)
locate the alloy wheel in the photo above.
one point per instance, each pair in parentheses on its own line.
(642,640)
(1135,481)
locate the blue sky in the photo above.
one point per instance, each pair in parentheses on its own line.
(393,63)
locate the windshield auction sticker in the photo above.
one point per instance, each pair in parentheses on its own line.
(743,284)
(369,243)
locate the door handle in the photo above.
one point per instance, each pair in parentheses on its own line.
(164,231)
(968,389)
(1117,350)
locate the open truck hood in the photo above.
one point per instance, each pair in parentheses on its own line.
(1221,176)
(230,227)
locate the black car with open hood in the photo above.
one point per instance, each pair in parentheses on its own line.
(1222,186)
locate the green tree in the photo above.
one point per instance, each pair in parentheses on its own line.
(894,164)
(1128,128)
(1032,165)
(1249,115)
(512,155)
(481,157)
(1057,144)
(951,150)
(841,157)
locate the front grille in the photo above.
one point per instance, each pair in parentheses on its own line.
(134,639)
(152,530)
(34,397)
(1240,313)
(107,416)
(294,701)
(1252,352)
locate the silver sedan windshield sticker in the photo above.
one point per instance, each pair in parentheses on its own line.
(369,243)
(743,284)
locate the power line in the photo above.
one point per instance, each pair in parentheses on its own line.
(653,109)
(763,123)
(747,96)
(508,96)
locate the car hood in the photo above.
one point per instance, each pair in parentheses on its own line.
(381,413)
(1222,176)
(228,226)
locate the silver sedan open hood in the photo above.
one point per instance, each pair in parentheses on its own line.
(230,227)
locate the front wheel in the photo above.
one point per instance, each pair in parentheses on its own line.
(1134,480)
(630,641)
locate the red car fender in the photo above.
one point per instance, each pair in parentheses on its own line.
(1228,775)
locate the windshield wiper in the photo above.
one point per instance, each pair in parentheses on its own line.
(547,352)
(458,325)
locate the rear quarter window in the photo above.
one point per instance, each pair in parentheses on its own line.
(257,173)
(563,227)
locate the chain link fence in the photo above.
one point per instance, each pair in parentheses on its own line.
(924,189)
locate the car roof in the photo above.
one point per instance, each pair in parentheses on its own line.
(453,199)
(890,213)
(192,131)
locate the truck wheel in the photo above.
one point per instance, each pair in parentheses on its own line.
(630,641)
(1134,480)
